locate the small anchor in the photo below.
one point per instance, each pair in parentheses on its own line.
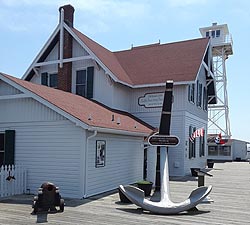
(9,178)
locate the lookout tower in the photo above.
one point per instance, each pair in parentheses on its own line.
(222,47)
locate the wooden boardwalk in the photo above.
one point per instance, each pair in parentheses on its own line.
(231,195)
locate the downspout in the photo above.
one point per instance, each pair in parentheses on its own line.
(86,162)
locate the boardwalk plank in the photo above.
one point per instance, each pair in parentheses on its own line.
(231,193)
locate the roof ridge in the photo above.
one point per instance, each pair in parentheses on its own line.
(90,39)
(158,45)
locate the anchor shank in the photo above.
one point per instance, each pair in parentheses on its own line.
(164,175)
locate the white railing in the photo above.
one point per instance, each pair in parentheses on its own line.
(13,180)
(225,39)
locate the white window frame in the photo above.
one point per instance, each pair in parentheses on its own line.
(73,88)
(191,93)
(48,79)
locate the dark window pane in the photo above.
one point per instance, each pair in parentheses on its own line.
(44,77)
(90,82)
(53,80)
(81,90)
(217,33)
(213,33)
(81,77)
(207,34)
(212,150)
(1,142)
(1,158)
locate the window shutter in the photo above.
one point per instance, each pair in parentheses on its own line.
(189,92)
(9,148)
(44,79)
(190,143)
(194,144)
(90,81)
(197,93)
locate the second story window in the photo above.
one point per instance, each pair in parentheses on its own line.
(49,80)
(81,80)
(84,82)
(205,100)
(191,89)
(217,33)
(213,33)
(199,94)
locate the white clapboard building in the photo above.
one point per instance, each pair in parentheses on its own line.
(80,115)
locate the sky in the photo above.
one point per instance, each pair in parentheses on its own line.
(25,26)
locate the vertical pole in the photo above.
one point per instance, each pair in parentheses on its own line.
(158,174)
(164,129)
(61,38)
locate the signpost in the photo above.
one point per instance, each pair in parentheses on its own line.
(163,140)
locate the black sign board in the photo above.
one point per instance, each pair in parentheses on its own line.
(163,140)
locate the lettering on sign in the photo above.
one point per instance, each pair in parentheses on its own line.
(151,100)
(163,140)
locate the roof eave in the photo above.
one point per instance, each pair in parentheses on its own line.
(119,131)
(44,102)
(162,84)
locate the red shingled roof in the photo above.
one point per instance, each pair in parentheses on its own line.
(179,61)
(107,57)
(152,64)
(82,108)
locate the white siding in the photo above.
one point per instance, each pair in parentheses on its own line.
(124,163)
(239,149)
(121,97)
(26,110)
(53,68)
(192,107)
(50,152)
(36,79)
(197,162)
(151,163)
(6,89)
(103,88)
(78,50)
(47,144)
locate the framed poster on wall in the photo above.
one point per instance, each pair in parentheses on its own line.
(100,153)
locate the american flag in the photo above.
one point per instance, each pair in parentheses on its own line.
(197,133)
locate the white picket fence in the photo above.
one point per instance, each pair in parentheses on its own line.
(13,180)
